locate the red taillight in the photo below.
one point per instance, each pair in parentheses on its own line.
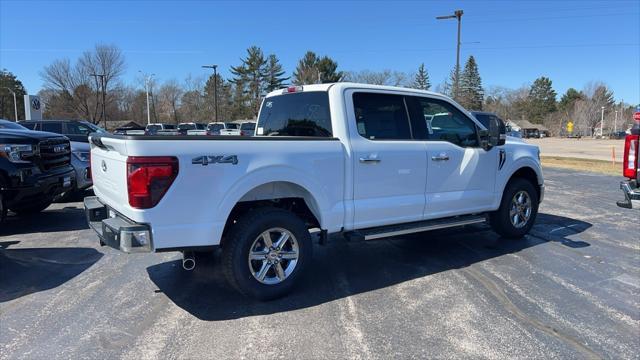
(630,159)
(149,178)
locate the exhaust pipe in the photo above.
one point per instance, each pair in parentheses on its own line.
(188,261)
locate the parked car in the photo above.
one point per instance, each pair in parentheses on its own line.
(78,132)
(75,130)
(530,133)
(246,128)
(215,127)
(353,159)
(160,129)
(35,167)
(191,128)
(631,169)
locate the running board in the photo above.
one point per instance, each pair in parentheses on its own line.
(414,227)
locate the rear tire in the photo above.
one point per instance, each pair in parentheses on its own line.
(265,253)
(32,209)
(518,209)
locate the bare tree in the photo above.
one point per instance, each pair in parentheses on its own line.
(169,95)
(83,85)
(384,77)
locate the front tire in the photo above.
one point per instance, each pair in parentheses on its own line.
(518,209)
(265,253)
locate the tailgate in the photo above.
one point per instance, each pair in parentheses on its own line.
(109,172)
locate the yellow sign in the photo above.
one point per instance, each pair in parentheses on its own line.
(570,127)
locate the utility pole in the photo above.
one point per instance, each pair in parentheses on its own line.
(15,104)
(602,123)
(147,80)
(102,89)
(456,15)
(215,88)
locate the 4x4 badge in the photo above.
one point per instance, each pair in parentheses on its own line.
(215,159)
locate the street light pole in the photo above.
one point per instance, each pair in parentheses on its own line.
(15,104)
(602,123)
(147,80)
(615,123)
(215,88)
(456,15)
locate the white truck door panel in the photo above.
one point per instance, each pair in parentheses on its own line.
(460,180)
(389,169)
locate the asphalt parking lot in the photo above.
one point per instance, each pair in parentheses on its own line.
(571,289)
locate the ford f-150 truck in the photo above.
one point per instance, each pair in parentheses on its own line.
(361,160)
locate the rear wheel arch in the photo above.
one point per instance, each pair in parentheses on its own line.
(279,194)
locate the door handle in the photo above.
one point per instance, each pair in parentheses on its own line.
(440,157)
(369,160)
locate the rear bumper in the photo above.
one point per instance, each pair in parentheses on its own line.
(631,191)
(115,230)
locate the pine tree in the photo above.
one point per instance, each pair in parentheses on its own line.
(471,92)
(312,69)
(9,80)
(541,100)
(422,79)
(251,75)
(569,98)
(274,74)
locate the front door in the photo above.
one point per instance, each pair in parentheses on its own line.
(389,167)
(461,176)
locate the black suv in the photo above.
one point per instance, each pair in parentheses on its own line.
(75,130)
(35,166)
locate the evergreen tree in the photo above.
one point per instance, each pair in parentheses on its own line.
(274,74)
(422,79)
(7,110)
(541,100)
(251,76)
(471,93)
(312,69)
(569,98)
(307,70)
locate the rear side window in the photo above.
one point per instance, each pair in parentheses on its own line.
(297,114)
(381,116)
(54,127)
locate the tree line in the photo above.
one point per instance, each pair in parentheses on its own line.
(93,82)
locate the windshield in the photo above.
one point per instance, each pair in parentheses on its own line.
(154,127)
(232,126)
(94,127)
(248,126)
(11,125)
(186,127)
(215,127)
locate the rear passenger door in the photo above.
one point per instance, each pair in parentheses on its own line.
(461,176)
(389,168)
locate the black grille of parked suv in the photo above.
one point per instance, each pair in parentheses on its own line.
(54,153)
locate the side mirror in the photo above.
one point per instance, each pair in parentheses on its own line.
(496,135)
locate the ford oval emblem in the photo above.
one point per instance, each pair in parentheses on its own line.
(103,165)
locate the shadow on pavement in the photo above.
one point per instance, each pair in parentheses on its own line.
(343,269)
(29,270)
(50,220)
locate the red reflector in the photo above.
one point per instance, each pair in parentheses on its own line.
(630,159)
(149,178)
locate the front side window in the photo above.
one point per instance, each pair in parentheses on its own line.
(441,121)
(296,114)
(381,116)
(78,129)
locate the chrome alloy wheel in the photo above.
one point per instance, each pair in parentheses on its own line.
(273,256)
(521,209)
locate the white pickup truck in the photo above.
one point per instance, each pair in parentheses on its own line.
(361,160)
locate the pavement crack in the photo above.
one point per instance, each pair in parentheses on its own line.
(495,290)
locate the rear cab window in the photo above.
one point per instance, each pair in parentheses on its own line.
(296,114)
